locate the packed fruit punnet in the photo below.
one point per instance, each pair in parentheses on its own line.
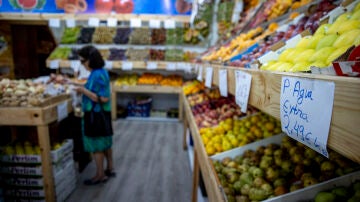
(127,80)
(277,169)
(232,133)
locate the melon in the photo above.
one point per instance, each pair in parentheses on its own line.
(304,42)
(348,26)
(346,39)
(321,54)
(323,29)
(337,53)
(303,55)
(327,41)
(314,41)
(300,67)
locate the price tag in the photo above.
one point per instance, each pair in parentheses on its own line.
(200,73)
(169,24)
(75,65)
(53,22)
(242,89)
(209,76)
(180,66)
(151,65)
(94,22)
(112,22)
(127,65)
(62,111)
(70,22)
(108,64)
(335,13)
(268,57)
(194,13)
(171,67)
(187,67)
(328,71)
(305,111)
(135,22)
(54,64)
(223,82)
(155,24)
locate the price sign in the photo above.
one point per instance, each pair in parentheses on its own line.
(112,22)
(135,22)
(62,111)
(54,22)
(127,65)
(305,111)
(108,64)
(242,89)
(94,22)
(169,24)
(171,66)
(54,64)
(180,66)
(200,73)
(75,65)
(187,67)
(223,82)
(70,22)
(209,76)
(155,24)
(151,65)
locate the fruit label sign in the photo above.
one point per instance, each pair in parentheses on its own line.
(171,67)
(155,24)
(169,24)
(54,22)
(127,65)
(208,78)
(54,64)
(242,89)
(200,73)
(108,64)
(94,22)
(62,111)
(305,111)
(70,22)
(151,65)
(111,22)
(135,22)
(223,82)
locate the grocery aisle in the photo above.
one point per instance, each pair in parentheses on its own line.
(150,164)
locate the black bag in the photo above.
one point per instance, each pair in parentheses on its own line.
(97,124)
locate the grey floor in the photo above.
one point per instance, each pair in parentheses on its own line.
(150,163)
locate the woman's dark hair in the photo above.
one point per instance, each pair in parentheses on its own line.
(93,55)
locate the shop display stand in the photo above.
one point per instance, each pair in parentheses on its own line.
(40,117)
(144,89)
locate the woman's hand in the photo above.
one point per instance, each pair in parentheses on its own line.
(80,89)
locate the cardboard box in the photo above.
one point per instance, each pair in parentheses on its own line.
(56,155)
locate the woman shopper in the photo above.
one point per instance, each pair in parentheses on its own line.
(96,89)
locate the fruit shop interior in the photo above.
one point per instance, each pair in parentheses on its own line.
(245,100)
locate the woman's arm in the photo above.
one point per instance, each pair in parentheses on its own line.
(91,95)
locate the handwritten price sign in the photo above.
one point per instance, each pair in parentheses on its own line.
(305,110)
(242,89)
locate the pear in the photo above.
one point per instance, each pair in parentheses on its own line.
(347,38)
(325,197)
(355,15)
(327,41)
(337,53)
(314,41)
(303,55)
(321,55)
(348,26)
(322,30)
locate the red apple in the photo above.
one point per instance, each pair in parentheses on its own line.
(104,6)
(124,6)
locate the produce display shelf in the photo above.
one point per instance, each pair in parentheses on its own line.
(64,16)
(40,117)
(196,48)
(160,65)
(265,95)
(144,89)
(201,159)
